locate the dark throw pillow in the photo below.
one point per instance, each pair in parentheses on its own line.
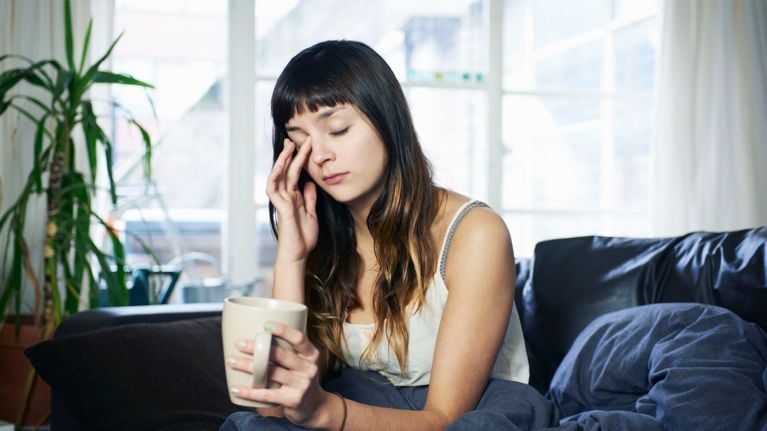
(140,376)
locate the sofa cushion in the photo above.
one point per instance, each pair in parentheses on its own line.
(140,376)
(576,280)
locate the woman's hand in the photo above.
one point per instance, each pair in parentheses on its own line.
(297,225)
(304,402)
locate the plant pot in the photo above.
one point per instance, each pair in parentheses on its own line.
(14,371)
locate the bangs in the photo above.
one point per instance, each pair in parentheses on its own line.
(303,91)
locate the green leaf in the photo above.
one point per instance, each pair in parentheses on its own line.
(147,150)
(86,45)
(91,133)
(119,78)
(34,101)
(87,79)
(8,213)
(49,85)
(119,257)
(5,105)
(144,246)
(11,77)
(95,131)
(68,37)
(63,80)
(35,80)
(94,290)
(24,112)
(110,174)
(20,57)
(117,290)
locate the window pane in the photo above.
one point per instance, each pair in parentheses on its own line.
(556,172)
(579,68)
(264,153)
(540,134)
(421,41)
(577,139)
(513,34)
(555,20)
(267,252)
(526,117)
(632,137)
(451,128)
(632,8)
(180,48)
(635,51)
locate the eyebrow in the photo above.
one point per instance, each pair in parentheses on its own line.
(323,114)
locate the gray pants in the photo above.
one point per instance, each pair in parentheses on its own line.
(504,405)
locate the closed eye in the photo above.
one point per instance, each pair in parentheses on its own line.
(340,132)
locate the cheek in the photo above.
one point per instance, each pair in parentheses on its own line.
(314,172)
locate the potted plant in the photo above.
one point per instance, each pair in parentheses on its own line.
(72,259)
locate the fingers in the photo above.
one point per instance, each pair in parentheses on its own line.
(303,360)
(298,163)
(283,396)
(310,198)
(278,355)
(276,177)
(296,338)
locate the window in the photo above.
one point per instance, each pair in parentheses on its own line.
(578,82)
(181,48)
(575,104)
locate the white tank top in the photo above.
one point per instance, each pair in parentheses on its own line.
(511,363)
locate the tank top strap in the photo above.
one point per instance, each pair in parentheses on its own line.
(459,215)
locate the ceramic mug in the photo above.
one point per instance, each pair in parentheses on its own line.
(244,318)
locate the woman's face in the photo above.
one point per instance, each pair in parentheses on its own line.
(347,159)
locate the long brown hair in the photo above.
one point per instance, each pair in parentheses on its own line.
(327,74)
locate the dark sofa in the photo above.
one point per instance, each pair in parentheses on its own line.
(161,367)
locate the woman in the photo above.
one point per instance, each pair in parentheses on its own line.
(363,240)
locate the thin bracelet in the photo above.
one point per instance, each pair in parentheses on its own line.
(343,401)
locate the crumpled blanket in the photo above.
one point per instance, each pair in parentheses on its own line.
(679,366)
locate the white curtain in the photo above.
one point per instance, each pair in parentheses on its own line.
(710,147)
(35,29)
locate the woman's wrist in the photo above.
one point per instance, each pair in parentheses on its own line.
(289,260)
(289,281)
(331,413)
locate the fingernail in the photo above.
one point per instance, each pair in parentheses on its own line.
(234,390)
(231,360)
(269,326)
(241,344)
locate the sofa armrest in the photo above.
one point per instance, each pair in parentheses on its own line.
(91,320)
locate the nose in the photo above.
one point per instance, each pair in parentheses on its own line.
(321,151)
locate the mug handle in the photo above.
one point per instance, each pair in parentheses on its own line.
(261,347)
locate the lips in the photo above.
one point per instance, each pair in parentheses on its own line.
(334,179)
